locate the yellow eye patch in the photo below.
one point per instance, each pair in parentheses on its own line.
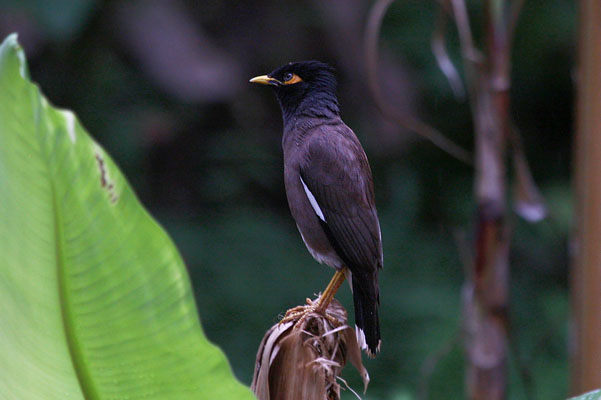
(294,79)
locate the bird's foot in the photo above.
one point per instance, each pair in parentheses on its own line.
(299,314)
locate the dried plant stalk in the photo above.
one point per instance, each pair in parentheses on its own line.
(305,361)
(372,33)
(585,338)
(487,82)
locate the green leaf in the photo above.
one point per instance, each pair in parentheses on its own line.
(95,301)
(594,395)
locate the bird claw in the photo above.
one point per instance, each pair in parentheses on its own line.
(298,314)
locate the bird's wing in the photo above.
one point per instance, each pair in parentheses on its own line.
(337,180)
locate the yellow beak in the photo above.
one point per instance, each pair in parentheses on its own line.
(265,80)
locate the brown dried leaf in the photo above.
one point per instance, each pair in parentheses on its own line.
(304,362)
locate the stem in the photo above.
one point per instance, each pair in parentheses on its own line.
(586,275)
(486,294)
(372,33)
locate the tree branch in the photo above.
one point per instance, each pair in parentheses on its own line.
(408,122)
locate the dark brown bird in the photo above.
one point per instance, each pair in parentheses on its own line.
(330,189)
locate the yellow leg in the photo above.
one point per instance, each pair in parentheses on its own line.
(298,314)
(328,294)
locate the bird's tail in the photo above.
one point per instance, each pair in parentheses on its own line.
(366,297)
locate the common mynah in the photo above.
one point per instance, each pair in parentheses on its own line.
(330,190)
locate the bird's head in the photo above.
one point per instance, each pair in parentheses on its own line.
(306,86)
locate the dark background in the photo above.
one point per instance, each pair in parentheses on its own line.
(163,86)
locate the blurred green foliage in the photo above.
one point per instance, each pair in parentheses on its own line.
(211,172)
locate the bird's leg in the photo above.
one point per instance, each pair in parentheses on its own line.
(328,294)
(322,303)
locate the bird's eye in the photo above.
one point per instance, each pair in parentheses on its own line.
(291,78)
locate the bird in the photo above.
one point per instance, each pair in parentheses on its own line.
(330,192)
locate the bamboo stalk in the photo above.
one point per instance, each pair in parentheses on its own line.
(585,343)
(486,297)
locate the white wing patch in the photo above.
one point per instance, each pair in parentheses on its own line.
(313,201)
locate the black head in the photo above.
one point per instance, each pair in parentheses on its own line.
(306,87)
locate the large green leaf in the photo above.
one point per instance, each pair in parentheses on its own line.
(95,301)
